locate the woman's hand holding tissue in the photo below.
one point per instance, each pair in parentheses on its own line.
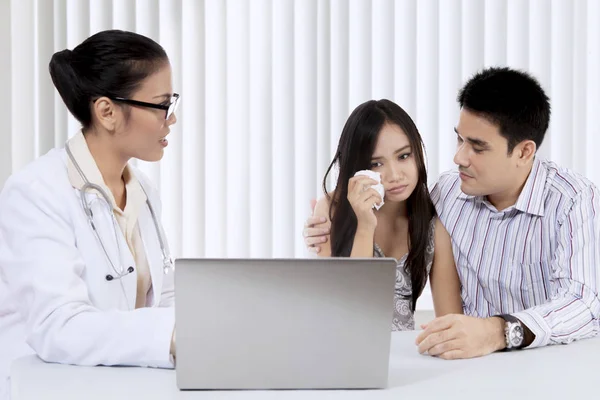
(363,198)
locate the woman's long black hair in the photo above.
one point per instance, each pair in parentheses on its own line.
(354,152)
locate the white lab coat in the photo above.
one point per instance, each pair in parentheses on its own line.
(54,298)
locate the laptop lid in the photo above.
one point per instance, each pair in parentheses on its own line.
(283,323)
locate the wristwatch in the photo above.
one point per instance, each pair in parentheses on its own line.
(514,333)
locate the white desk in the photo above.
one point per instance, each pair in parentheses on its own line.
(556,372)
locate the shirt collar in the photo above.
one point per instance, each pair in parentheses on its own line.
(531,199)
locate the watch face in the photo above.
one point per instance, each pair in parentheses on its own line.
(516,335)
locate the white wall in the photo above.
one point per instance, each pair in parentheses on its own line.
(267,85)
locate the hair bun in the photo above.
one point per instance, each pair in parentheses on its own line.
(108,63)
(63,56)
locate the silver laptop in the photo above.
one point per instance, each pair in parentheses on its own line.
(283,323)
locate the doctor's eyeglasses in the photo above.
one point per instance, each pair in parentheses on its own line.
(170,108)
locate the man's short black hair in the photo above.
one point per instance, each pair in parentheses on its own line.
(511,99)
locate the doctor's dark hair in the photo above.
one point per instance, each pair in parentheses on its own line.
(355,150)
(512,100)
(110,63)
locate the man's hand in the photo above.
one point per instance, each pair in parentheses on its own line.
(313,235)
(456,336)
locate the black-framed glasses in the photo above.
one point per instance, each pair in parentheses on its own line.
(170,108)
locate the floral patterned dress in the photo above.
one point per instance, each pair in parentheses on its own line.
(403,317)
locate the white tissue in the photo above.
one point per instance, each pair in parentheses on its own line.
(376,176)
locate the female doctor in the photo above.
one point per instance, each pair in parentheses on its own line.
(84,264)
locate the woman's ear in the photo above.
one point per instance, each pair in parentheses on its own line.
(105,113)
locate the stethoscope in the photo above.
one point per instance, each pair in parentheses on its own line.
(120,272)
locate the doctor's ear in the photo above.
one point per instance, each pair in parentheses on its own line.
(105,112)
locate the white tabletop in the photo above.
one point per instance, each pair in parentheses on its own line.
(554,372)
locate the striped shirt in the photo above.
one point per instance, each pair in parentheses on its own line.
(537,260)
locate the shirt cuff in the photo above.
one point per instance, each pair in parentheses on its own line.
(537,325)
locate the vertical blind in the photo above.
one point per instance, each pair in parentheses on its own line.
(267,85)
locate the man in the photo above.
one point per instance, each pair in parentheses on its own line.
(524,231)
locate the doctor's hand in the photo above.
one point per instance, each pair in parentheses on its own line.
(314,234)
(456,336)
(173,349)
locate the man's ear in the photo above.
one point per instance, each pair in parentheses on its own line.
(105,113)
(525,151)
